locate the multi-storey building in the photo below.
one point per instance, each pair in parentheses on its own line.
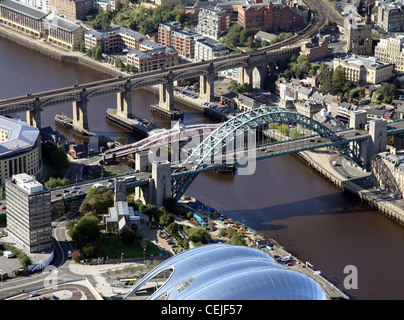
(359,36)
(20,150)
(22,18)
(182,40)
(391,50)
(269,17)
(364,69)
(155,59)
(28,213)
(62,32)
(213,23)
(390,16)
(72,9)
(207,49)
(113,40)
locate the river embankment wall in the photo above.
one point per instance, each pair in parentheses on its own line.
(323,166)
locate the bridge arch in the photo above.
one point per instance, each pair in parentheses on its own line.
(219,139)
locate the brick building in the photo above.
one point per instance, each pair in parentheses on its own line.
(270,17)
(315,48)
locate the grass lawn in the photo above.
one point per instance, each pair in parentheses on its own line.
(114,247)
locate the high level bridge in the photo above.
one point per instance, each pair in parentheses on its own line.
(253,70)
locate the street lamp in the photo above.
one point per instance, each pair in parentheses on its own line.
(122,257)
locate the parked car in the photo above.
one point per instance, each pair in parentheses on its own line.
(3,208)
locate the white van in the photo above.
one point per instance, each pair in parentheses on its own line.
(97,185)
(69,254)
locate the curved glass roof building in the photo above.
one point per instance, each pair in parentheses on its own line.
(228,272)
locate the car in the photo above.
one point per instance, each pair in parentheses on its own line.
(76,187)
(268,150)
(3,208)
(58,195)
(73,191)
(66,191)
(34,294)
(110,184)
(80,192)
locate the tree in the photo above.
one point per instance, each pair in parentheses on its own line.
(53,182)
(97,201)
(385,93)
(166,218)
(128,236)
(55,158)
(338,79)
(86,229)
(237,239)
(197,235)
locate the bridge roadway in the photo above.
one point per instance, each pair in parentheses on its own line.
(185,71)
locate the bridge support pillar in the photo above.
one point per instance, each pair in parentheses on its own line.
(375,143)
(207,85)
(206,88)
(159,188)
(254,76)
(124,102)
(166,96)
(80,117)
(34,116)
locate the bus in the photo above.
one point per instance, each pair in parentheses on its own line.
(128,282)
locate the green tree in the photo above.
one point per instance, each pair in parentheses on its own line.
(86,229)
(54,158)
(338,79)
(119,64)
(97,201)
(53,182)
(237,239)
(385,93)
(198,235)
(166,218)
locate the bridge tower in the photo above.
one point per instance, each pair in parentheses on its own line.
(159,188)
(124,101)
(34,116)
(375,143)
(207,85)
(80,117)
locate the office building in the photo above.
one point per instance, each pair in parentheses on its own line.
(28,213)
(20,150)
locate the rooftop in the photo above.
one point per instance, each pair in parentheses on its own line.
(20,136)
(21,8)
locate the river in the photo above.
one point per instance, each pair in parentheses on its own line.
(283,199)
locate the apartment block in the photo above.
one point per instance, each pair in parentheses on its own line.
(213,23)
(154,59)
(207,49)
(114,40)
(391,50)
(62,32)
(29,213)
(182,40)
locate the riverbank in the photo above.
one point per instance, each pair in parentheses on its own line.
(354,181)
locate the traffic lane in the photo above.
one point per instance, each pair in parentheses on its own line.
(59,292)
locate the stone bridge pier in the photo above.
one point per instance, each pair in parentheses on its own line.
(166,93)
(124,101)
(207,85)
(34,116)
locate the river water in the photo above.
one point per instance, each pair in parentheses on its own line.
(283,199)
